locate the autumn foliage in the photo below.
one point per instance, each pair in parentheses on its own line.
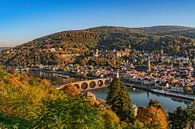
(28,102)
(152,117)
(70,89)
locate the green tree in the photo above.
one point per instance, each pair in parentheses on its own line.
(188,90)
(69,113)
(191,115)
(155,103)
(2,73)
(119,100)
(10,122)
(111,120)
(178,119)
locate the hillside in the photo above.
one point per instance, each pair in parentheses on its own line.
(164,29)
(186,33)
(114,29)
(67,46)
(170,30)
(50,49)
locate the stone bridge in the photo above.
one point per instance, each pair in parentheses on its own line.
(90,84)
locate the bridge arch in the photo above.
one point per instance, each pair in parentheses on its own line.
(90,84)
(107,82)
(77,86)
(84,85)
(100,83)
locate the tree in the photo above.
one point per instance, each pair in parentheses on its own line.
(153,116)
(2,73)
(191,115)
(155,103)
(70,89)
(178,119)
(119,100)
(191,118)
(188,90)
(64,113)
(111,120)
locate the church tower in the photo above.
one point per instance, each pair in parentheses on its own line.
(97,53)
(149,65)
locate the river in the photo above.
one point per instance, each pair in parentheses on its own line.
(139,97)
(142,98)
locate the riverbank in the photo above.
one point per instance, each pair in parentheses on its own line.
(141,98)
(65,79)
(163,92)
(171,94)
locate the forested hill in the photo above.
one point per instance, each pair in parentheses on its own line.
(113,29)
(52,49)
(170,30)
(164,29)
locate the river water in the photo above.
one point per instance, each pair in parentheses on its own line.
(139,97)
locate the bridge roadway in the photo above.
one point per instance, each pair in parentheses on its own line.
(93,84)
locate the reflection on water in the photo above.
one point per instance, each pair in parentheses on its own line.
(142,98)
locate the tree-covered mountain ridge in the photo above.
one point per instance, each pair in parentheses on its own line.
(171,30)
(49,50)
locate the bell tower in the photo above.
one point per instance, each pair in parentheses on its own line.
(149,65)
(96,53)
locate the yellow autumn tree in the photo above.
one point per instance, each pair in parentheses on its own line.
(22,96)
(153,117)
(70,89)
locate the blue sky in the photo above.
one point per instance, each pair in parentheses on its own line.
(24,20)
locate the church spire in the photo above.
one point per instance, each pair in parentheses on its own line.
(149,64)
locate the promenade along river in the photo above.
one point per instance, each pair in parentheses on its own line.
(139,97)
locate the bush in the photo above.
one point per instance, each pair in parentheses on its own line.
(76,113)
(152,117)
(8,122)
(21,98)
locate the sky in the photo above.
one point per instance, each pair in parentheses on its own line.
(25,20)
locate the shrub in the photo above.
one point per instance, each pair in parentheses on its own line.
(76,113)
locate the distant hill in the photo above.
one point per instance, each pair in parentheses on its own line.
(67,46)
(164,29)
(188,32)
(170,30)
(7,43)
(4,48)
(114,29)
